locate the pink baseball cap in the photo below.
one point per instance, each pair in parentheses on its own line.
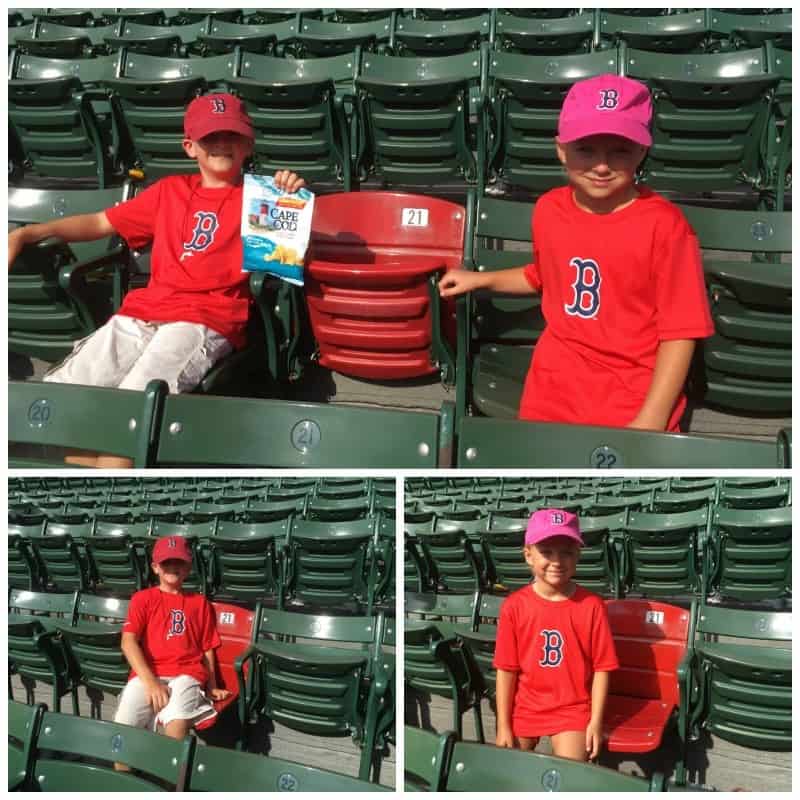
(172,547)
(210,113)
(607,104)
(549,522)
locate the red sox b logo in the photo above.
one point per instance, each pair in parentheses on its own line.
(552,654)
(217,105)
(205,227)
(609,100)
(586,289)
(177,623)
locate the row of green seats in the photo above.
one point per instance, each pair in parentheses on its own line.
(741,554)
(54,752)
(464,119)
(158,430)
(681,662)
(345,564)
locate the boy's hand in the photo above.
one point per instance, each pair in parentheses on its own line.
(459,281)
(504,738)
(288,181)
(594,739)
(219,694)
(157,695)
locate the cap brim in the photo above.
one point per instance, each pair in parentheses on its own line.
(212,126)
(580,129)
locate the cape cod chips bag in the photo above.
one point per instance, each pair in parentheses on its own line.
(276,227)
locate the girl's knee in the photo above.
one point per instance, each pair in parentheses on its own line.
(569,744)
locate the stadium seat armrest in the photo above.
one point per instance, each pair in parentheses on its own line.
(68,273)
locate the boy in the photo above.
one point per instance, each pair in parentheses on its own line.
(619,270)
(195,307)
(554,648)
(169,638)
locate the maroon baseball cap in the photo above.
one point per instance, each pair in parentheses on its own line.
(549,522)
(607,104)
(210,113)
(172,547)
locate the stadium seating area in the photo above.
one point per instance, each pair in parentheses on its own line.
(697,576)
(300,574)
(459,103)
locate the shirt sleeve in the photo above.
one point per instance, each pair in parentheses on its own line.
(135,219)
(506,652)
(681,297)
(136,619)
(209,636)
(604,655)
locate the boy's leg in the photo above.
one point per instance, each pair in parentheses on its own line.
(569,744)
(180,353)
(133,709)
(178,728)
(187,706)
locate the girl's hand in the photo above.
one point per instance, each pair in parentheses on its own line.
(504,738)
(594,739)
(288,181)
(459,281)
(219,694)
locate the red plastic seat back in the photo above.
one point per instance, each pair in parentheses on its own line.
(650,640)
(371,256)
(235,628)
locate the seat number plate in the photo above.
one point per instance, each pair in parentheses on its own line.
(415,217)
(656,617)
(227,618)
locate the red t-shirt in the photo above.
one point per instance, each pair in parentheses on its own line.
(174,630)
(556,647)
(196,264)
(613,287)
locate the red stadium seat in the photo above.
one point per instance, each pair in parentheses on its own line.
(235,627)
(367,281)
(650,639)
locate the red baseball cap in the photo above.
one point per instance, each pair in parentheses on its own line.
(210,113)
(549,522)
(172,547)
(607,104)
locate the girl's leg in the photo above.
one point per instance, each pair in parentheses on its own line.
(527,743)
(180,353)
(569,744)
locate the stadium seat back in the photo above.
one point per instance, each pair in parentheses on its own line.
(568,35)
(425,761)
(23,723)
(670,33)
(235,629)
(420,37)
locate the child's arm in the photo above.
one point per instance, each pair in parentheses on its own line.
(594,731)
(672,366)
(506,281)
(80,228)
(156,692)
(505,688)
(210,662)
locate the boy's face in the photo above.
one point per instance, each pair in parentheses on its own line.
(220,155)
(172,573)
(601,169)
(553,560)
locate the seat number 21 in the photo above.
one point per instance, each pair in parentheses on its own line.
(415,217)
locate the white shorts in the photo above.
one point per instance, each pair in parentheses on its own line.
(186,701)
(127,353)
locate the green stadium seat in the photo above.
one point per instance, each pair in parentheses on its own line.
(279,434)
(327,564)
(482,768)
(450,613)
(709,118)
(157,759)
(415,568)
(23,570)
(114,559)
(299,121)
(488,443)
(23,724)
(744,496)
(61,116)
(61,554)
(59,293)
(311,678)
(320,38)
(452,563)
(144,16)
(683,501)
(561,36)
(225,37)
(598,569)
(661,552)
(527,92)
(91,418)
(187,16)
(672,33)
(245,560)
(480,640)
(425,762)
(748,363)
(438,664)
(216,769)
(78,17)
(744,691)
(749,554)
(414,120)
(731,30)
(64,41)
(502,551)
(423,37)
(152,93)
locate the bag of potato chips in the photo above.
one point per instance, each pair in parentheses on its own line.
(276,228)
